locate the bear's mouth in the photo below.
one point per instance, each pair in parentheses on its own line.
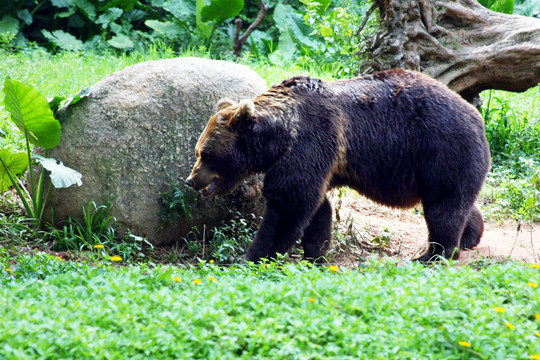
(211,188)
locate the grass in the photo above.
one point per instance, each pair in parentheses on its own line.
(54,309)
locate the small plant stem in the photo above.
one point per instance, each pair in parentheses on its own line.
(19,191)
(40,200)
(31,170)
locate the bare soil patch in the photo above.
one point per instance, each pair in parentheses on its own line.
(366,228)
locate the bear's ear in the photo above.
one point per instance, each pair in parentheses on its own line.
(224,103)
(245,110)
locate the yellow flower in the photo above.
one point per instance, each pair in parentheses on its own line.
(99,246)
(211,278)
(311,300)
(334,268)
(499,309)
(176,279)
(197,281)
(465,343)
(266,265)
(537,334)
(537,317)
(211,261)
(58,258)
(535,357)
(9,270)
(508,325)
(116,258)
(532,284)
(535,266)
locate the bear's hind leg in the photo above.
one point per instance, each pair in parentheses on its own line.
(318,235)
(445,220)
(473,230)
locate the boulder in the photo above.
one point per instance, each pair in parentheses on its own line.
(136,133)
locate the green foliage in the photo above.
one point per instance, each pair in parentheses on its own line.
(31,113)
(527,7)
(177,203)
(97,233)
(513,130)
(60,309)
(231,240)
(503,6)
(96,228)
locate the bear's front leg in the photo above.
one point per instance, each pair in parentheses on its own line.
(283,224)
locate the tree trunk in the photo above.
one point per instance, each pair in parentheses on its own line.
(459,42)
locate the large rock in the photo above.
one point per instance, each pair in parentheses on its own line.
(136,132)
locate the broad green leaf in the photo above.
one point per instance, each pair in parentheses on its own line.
(86,8)
(109,16)
(286,48)
(180,9)
(287,19)
(16,163)
(169,29)
(502,6)
(31,113)
(55,103)
(121,41)
(63,40)
(79,96)
(204,28)
(126,5)
(9,24)
(61,175)
(220,10)
(25,16)
(321,6)
(62,3)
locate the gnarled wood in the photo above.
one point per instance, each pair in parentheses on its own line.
(459,42)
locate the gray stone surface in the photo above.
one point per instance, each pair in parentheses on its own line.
(136,132)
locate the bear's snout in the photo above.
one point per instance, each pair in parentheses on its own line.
(190,182)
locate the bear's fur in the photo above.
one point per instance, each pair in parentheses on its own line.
(398,137)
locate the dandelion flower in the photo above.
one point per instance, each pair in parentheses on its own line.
(537,317)
(211,278)
(311,300)
(537,334)
(99,246)
(508,325)
(532,284)
(334,268)
(535,357)
(176,279)
(9,270)
(197,281)
(116,258)
(499,309)
(465,344)
(535,266)
(58,258)
(211,261)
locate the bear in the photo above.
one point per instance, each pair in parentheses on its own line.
(398,137)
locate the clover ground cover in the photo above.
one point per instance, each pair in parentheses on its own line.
(52,309)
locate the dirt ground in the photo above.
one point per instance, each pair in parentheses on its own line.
(403,233)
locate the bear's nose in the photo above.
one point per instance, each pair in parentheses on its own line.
(189,182)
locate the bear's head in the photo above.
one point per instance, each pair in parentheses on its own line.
(221,164)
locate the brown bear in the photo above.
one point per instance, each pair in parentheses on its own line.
(397,137)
